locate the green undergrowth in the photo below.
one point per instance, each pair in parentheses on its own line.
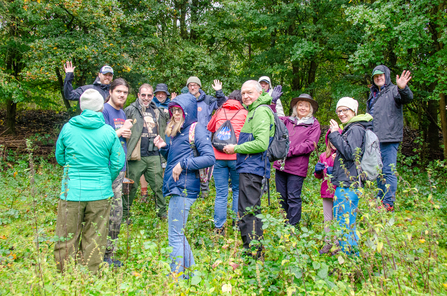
(400,253)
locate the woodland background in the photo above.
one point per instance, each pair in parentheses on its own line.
(327,48)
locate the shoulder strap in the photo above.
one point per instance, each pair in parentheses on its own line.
(233,115)
(257,109)
(192,133)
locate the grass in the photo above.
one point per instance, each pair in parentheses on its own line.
(400,253)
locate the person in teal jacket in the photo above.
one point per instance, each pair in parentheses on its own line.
(92,157)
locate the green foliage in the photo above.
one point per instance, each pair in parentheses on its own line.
(399,253)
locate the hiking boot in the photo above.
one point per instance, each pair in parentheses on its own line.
(115,263)
(385,207)
(389,208)
(219,231)
(326,249)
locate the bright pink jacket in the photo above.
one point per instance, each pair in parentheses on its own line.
(231,107)
(325,192)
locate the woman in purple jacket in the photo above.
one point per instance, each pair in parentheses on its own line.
(304,132)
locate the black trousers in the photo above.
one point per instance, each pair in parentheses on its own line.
(249,196)
(289,186)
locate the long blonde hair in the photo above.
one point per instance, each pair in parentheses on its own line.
(173,128)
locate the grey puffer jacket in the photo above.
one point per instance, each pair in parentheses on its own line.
(386,108)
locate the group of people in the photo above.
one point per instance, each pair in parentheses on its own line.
(169,142)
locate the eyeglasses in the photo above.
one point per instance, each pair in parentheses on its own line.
(175,110)
(147,95)
(342,111)
(193,84)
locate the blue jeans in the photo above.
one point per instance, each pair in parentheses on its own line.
(389,157)
(222,169)
(346,202)
(177,217)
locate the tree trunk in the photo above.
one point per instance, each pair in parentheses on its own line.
(11,111)
(61,86)
(433,135)
(442,112)
(312,75)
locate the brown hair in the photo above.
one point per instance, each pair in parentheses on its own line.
(115,83)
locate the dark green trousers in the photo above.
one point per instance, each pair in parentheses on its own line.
(83,228)
(150,167)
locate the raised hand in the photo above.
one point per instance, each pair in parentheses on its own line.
(333,126)
(276,93)
(68,67)
(402,81)
(217,85)
(173,95)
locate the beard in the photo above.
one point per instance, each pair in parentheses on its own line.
(117,103)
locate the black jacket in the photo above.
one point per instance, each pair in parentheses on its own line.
(388,116)
(74,95)
(347,144)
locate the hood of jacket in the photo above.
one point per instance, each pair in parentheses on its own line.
(202,96)
(232,105)
(88,120)
(387,72)
(268,79)
(365,120)
(188,103)
(264,99)
(164,104)
(361,117)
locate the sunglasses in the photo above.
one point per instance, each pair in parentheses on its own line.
(147,95)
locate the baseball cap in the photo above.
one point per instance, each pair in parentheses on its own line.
(106,69)
(377,72)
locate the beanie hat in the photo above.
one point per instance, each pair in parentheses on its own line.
(348,102)
(194,79)
(92,100)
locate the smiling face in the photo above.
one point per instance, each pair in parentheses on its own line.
(118,96)
(177,113)
(344,114)
(302,109)
(194,89)
(105,78)
(145,96)
(265,86)
(379,80)
(161,96)
(250,93)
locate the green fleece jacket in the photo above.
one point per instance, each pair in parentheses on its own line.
(258,127)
